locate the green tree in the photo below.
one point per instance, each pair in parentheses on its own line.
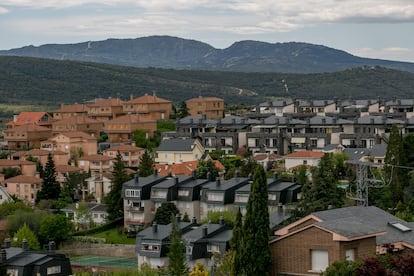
(177,265)
(342,268)
(9,207)
(248,167)
(229,217)
(205,167)
(392,159)
(83,216)
(256,259)
(11,172)
(182,110)
(114,201)
(29,217)
(55,228)
(300,174)
(24,233)
(323,193)
(164,213)
(50,189)
(140,137)
(146,164)
(236,244)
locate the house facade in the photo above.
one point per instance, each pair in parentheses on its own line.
(179,150)
(206,107)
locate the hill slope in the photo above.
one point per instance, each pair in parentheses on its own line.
(178,53)
(46,81)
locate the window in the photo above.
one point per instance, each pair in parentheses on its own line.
(242,198)
(12,272)
(350,254)
(150,247)
(212,196)
(158,194)
(54,270)
(213,248)
(132,193)
(319,260)
(183,193)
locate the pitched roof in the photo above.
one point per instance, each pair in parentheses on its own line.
(7,162)
(67,169)
(185,168)
(130,148)
(106,102)
(28,117)
(305,154)
(96,157)
(76,134)
(176,144)
(24,179)
(28,128)
(73,108)
(129,118)
(148,99)
(76,120)
(204,99)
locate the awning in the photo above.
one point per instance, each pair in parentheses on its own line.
(298,140)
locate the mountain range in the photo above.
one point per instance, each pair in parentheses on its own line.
(178,53)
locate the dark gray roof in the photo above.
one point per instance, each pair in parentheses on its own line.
(356,153)
(226,184)
(176,144)
(197,233)
(172,181)
(358,221)
(277,218)
(371,120)
(192,183)
(400,102)
(331,147)
(138,182)
(190,120)
(273,186)
(278,103)
(223,236)
(163,231)
(29,257)
(378,150)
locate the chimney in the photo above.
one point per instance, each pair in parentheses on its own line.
(136,179)
(176,180)
(204,231)
(24,244)
(275,176)
(218,182)
(221,220)
(62,105)
(237,174)
(155,172)
(52,246)
(154,227)
(194,174)
(131,97)
(194,220)
(7,243)
(177,218)
(209,176)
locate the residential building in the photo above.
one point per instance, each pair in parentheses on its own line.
(105,109)
(26,167)
(4,194)
(277,108)
(309,245)
(179,150)
(97,213)
(24,261)
(69,111)
(59,157)
(73,143)
(130,154)
(26,136)
(298,158)
(24,187)
(149,107)
(121,129)
(139,209)
(78,123)
(319,107)
(38,118)
(206,107)
(63,172)
(98,186)
(96,164)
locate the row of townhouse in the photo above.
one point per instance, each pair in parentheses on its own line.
(195,197)
(281,135)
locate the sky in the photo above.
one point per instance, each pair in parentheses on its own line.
(381,29)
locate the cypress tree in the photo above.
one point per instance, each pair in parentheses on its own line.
(256,258)
(392,159)
(236,244)
(114,201)
(177,265)
(146,165)
(50,187)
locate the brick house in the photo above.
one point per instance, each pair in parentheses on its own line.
(59,157)
(78,123)
(26,136)
(206,107)
(39,118)
(122,128)
(149,107)
(130,154)
(70,111)
(309,245)
(25,167)
(105,109)
(70,141)
(24,187)
(96,163)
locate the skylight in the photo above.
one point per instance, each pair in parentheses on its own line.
(400,226)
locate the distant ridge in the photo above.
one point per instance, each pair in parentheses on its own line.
(177,53)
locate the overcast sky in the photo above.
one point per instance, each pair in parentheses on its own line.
(368,28)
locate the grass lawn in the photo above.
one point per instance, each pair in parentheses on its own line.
(113,236)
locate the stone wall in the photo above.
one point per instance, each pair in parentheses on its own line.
(99,249)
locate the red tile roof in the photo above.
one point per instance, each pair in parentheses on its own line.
(185,168)
(28,128)
(76,134)
(7,162)
(28,117)
(74,108)
(148,99)
(205,99)
(76,120)
(305,154)
(24,179)
(106,102)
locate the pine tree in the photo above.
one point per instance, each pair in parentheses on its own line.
(205,167)
(146,165)
(256,259)
(114,201)
(236,244)
(50,187)
(176,257)
(392,159)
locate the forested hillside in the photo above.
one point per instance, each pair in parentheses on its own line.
(42,81)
